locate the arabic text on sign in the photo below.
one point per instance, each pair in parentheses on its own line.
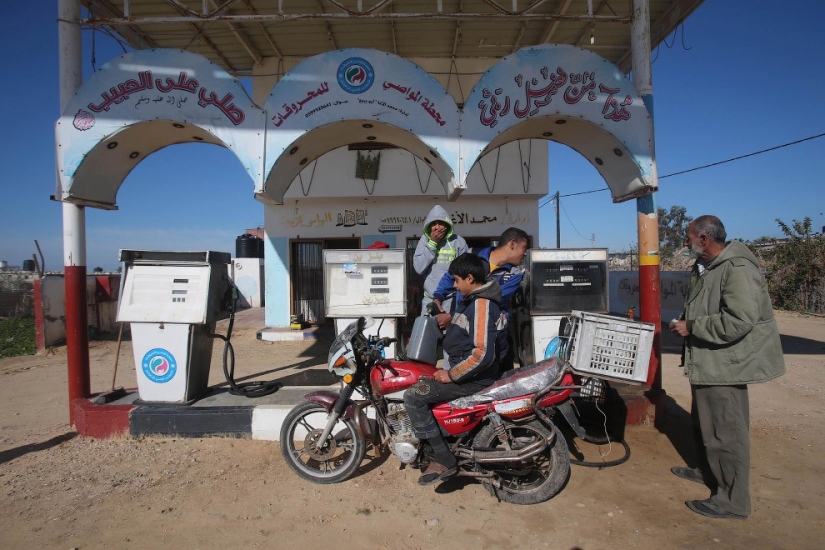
(537,94)
(123,91)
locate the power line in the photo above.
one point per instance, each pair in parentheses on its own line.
(743,156)
(702,167)
(571,222)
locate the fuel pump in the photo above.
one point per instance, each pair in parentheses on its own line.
(557,281)
(173,301)
(366,282)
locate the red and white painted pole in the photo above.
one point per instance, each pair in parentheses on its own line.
(650,301)
(74,217)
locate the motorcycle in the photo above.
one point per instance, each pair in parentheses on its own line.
(504,436)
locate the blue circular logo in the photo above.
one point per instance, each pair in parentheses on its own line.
(159,365)
(355,75)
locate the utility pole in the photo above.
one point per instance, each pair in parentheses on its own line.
(558,225)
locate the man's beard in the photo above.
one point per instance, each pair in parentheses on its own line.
(696,250)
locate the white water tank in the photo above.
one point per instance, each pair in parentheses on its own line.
(4,264)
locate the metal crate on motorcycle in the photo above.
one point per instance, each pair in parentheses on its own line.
(614,348)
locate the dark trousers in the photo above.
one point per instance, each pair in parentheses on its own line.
(724,422)
(420,398)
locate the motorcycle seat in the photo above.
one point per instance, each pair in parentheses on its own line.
(515,383)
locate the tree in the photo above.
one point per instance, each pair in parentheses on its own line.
(795,268)
(98,270)
(672,232)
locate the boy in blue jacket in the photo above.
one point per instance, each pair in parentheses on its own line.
(504,265)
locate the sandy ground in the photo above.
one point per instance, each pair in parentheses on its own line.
(63,491)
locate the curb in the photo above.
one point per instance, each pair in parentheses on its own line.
(262,422)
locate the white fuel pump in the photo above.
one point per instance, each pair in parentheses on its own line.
(366,282)
(172,301)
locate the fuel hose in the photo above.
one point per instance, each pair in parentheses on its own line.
(257,388)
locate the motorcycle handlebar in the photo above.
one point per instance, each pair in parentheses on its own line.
(382,342)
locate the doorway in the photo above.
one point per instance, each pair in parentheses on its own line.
(306,271)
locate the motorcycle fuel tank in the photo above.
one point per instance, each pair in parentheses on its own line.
(396,376)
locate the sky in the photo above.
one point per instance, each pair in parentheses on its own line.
(738,77)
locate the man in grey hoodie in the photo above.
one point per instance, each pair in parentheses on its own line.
(437,248)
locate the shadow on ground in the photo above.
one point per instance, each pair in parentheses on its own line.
(17,452)
(678,428)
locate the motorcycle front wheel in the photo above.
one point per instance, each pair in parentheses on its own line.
(330,461)
(529,481)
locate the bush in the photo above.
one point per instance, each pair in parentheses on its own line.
(17,337)
(795,268)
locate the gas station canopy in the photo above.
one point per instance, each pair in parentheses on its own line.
(238,34)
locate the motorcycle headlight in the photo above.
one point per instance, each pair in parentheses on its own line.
(342,362)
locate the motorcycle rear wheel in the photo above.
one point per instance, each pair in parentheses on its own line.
(531,481)
(336,460)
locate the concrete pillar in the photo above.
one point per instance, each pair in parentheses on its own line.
(642,406)
(74,217)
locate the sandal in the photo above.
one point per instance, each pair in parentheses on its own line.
(436,472)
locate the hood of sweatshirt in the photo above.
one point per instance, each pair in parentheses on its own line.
(490,290)
(734,249)
(438,214)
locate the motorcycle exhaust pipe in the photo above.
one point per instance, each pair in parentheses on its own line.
(518,455)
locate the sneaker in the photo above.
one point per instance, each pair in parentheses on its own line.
(436,472)
(690,474)
(712,510)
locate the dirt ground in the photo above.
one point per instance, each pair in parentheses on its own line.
(63,491)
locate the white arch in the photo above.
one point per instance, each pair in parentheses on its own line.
(142,102)
(358,95)
(569,95)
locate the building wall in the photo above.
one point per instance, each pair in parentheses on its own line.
(50,307)
(517,169)
(624,292)
(390,220)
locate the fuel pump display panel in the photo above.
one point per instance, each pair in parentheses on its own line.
(365,282)
(561,280)
(564,286)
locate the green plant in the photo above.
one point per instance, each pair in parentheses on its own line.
(673,225)
(17,337)
(795,268)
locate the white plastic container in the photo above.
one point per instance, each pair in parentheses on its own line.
(614,348)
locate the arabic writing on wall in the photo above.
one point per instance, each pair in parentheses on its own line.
(673,292)
(417,220)
(145,81)
(537,95)
(415,96)
(347,218)
(350,218)
(463,217)
(296,106)
(383,104)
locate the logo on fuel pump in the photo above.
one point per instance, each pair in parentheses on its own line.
(159,365)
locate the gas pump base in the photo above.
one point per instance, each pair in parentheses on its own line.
(644,406)
(218,414)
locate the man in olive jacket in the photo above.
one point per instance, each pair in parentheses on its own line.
(731,340)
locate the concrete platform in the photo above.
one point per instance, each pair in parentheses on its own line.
(298,369)
(282,334)
(297,364)
(219,414)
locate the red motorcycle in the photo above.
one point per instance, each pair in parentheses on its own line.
(503,436)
